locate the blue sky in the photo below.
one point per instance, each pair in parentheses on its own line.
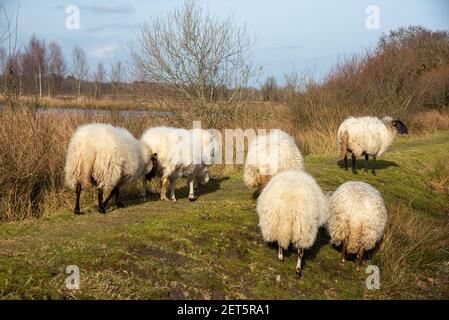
(289,35)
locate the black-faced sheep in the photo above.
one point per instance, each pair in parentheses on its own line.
(368,136)
(106,158)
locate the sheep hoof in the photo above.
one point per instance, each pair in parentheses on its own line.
(193,199)
(78,212)
(374,174)
(102,210)
(342,261)
(143,198)
(298,274)
(173,200)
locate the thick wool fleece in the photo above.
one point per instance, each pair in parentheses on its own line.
(291,208)
(270,154)
(358,214)
(102,156)
(369,135)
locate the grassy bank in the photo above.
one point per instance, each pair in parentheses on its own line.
(212,248)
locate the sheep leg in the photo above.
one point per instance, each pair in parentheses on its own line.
(298,264)
(164,181)
(192,190)
(118,199)
(195,185)
(101,204)
(343,250)
(143,192)
(366,162)
(172,190)
(354,169)
(346,161)
(374,165)
(77,201)
(113,193)
(360,255)
(280,254)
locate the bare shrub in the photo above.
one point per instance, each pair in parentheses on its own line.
(203,58)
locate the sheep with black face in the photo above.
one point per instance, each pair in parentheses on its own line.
(367,136)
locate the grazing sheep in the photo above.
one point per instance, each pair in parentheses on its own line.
(176,159)
(368,136)
(291,208)
(268,155)
(358,217)
(105,157)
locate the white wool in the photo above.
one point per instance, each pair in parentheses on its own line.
(270,154)
(358,214)
(181,153)
(369,135)
(102,156)
(291,208)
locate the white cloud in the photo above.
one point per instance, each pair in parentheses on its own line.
(105,51)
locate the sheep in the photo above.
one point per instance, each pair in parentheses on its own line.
(176,159)
(357,218)
(291,208)
(105,157)
(368,136)
(268,155)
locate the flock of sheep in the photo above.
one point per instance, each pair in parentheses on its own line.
(291,205)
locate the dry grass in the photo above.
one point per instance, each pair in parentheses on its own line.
(412,249)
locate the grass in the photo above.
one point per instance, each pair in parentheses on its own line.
(212,248)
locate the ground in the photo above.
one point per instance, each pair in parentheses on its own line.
(212,248)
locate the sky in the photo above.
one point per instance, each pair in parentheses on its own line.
(288,35)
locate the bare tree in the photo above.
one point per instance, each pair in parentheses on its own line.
(116,76)
(12,88)
(80,67)
(98,78)
(204,58)
(34,64)
(56,67)
(269,89)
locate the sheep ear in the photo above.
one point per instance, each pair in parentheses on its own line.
(154,156)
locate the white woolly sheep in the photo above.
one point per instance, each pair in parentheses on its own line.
(180,155)
(368,136)
(357,219)
(291,209)
(268,155)
(105,157)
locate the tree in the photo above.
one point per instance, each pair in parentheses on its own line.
(34,64)
(12,88)
(269,89)
(203,58)
(98,78)
(116,76)
(56,67)
(80,67)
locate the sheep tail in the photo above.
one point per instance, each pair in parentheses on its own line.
(343,141)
